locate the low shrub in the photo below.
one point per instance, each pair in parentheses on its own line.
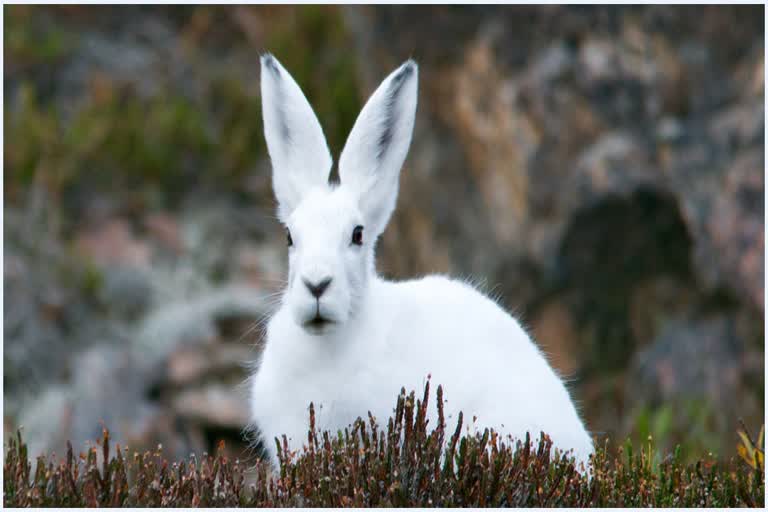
(406,464)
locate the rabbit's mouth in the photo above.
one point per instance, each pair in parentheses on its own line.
(317,324)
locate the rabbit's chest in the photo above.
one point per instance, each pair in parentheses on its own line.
(343,391)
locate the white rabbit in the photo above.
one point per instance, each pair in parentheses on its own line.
(348,340)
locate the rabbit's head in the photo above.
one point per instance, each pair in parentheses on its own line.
(332,228)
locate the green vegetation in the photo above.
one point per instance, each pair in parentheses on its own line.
(406,464)
(24,46)
(157,146)
(690,424)
(118,139)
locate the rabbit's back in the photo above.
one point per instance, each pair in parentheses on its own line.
(487,364)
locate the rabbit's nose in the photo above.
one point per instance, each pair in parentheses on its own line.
(317,289)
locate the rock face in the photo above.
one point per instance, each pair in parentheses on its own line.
(164,362)
(599,169)
(602,170)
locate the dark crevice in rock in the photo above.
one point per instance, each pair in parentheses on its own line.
(610,249)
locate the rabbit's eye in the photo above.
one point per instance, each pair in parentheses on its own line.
(357,235)
(288,236)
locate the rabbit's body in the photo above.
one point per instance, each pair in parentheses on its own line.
(489,368)
(347,340)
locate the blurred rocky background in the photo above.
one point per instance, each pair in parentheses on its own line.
(600,169)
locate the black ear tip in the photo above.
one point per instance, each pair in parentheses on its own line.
(270,62)
(403,73)
(408,68)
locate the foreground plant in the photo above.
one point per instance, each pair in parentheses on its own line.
(407,464)
(753,453)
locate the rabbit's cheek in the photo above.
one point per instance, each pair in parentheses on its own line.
(335,307)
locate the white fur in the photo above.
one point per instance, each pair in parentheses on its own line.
(294,137)
(384,335)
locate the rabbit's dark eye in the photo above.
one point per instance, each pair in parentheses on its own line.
(357,235)
(288,236)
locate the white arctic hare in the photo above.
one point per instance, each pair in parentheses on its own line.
(348,340)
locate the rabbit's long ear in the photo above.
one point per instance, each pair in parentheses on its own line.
(377,146)
(295,140)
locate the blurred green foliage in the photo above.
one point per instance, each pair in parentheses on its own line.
(119,138)
(689,424)
(116,140)
(23,44)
